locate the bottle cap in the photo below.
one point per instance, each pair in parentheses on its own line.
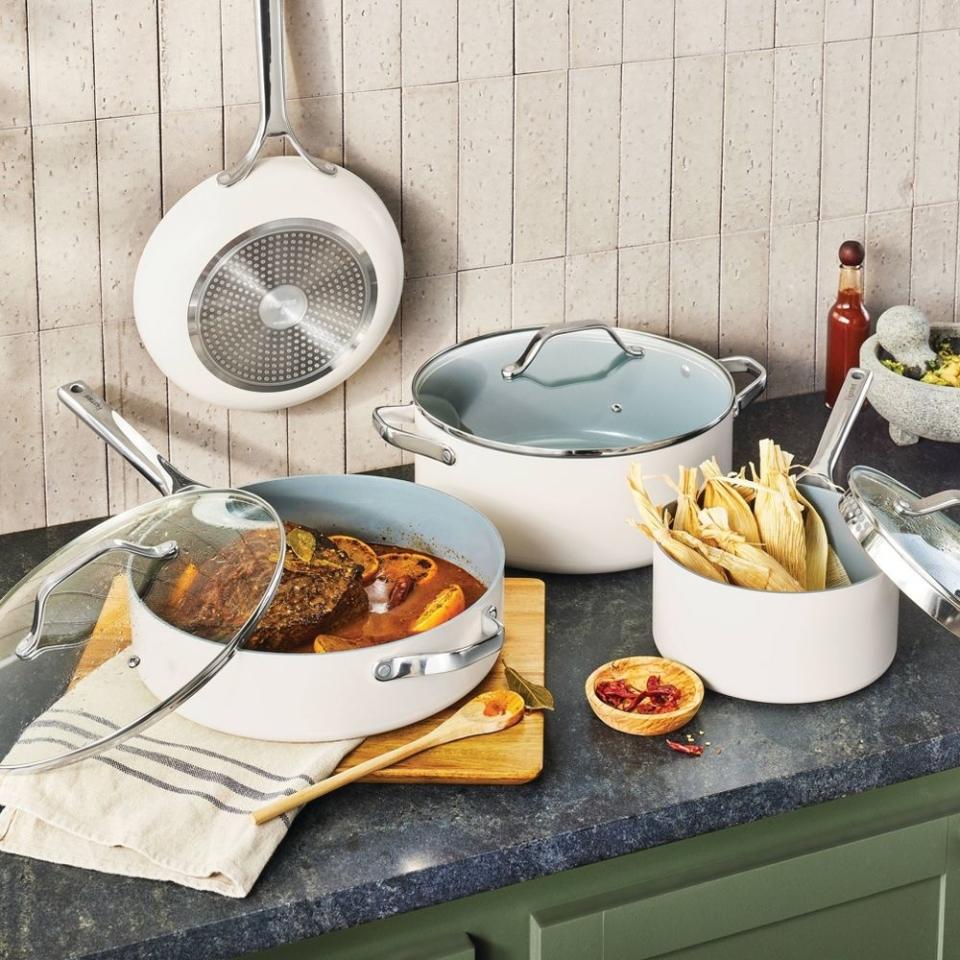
(851,253)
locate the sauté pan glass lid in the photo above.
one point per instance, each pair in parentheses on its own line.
(583,389)
(910,538)
(189,574)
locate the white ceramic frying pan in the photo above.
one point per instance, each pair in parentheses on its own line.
(271,283)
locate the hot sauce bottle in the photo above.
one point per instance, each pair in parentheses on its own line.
(848,324)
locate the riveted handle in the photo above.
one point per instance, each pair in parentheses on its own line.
(273,99)
(97,414)
(845,411)
(513,370)
(427,664)
(395,424)
(754,388)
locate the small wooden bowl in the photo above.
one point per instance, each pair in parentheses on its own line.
(635,671)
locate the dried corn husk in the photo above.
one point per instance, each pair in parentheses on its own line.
(687,518)
(744,573)
(777,579)
(715,517)
(817,544)
(778,513)
(719,492)
(836,575)
(652,526)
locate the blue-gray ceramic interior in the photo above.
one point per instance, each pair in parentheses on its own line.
(853,557)
(567,397)
(382,510)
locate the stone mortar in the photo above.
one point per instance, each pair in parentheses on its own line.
(912,408)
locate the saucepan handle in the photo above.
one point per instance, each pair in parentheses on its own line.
(273,99)
(97,414)
(29,647)
(754,388)
(395,425)
(426,664)
(846,408)
(513,370)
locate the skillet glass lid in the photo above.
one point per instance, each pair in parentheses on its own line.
(911,539)
(167,591)
(589,391)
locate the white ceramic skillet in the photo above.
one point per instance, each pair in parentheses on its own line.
(331,696)
(270,284)
(537,429)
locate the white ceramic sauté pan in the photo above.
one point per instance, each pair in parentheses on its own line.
(537,429)
(262,694)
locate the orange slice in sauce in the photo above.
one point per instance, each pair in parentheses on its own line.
(183,583)
(361,553)
(393,566)
(443,607)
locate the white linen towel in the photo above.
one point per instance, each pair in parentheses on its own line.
(173,803)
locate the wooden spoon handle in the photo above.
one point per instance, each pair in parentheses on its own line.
(298,799)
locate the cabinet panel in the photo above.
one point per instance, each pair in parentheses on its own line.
(873,884)
(895,924)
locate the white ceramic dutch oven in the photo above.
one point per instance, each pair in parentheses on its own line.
(46,620)
(806,647)
(540,442)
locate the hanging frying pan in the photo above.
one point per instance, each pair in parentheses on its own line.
(270,283)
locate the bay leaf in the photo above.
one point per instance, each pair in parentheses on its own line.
(303,543)
(534,696)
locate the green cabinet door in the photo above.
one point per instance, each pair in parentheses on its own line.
(879,897)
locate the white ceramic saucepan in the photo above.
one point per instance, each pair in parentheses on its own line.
(536,429)
(45,621)
(786,647)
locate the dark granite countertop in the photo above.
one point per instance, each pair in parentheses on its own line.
(346,860)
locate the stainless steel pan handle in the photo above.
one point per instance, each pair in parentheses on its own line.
(426,664)
(97,414)
(273,100)
(754,388)
(835,433)
(395,423)
(513,370)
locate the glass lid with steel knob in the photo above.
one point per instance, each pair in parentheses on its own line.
(910,538)
(123,624)
(584,389)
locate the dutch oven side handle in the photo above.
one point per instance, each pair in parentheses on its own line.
(754,388)
(395,424)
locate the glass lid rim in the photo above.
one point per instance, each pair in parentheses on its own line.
(568,452)
(179,696)
(920,573)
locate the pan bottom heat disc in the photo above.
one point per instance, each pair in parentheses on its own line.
(281,304)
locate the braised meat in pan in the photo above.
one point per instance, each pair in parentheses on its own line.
(321,590)
(336,593)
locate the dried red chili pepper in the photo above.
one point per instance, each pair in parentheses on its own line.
(656,698)
(400,591)
(690,749)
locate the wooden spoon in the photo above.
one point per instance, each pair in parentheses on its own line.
(486,713)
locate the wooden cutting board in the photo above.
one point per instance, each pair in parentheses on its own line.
(510,757)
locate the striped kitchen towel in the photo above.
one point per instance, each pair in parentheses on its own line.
(173,803)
